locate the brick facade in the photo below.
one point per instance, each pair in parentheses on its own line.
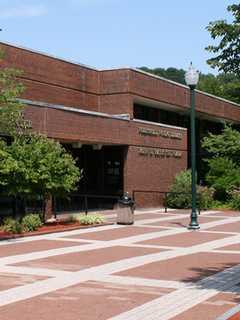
(145,172)
(151,159)
(147,175)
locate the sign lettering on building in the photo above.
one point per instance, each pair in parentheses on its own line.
(160,153)
(160,133)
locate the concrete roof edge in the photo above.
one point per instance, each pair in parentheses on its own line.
(219,98)
(184,86)
(48,55)
(74,109)
(93,113)
(173,82)
(159,124)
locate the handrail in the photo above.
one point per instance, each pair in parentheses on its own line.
(85,196)
(165,196)
(11,201)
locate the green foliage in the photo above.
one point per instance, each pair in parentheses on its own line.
(31,222)
(12,226)
(32,165)
(12,120)
(209,83)
(227,51)
(174,74)
(222,85)
(235,199)
(181,196)
(223,176)
(8,165)
(224,145)
(230,86)
(180,192)
(205,195)
(43,167)
(220,205)
(90,219)
(224,164)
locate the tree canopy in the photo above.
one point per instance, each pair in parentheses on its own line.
(223,85)
(226,144)
(227,51)
(37,165)
(174,74)
(12,120)
(224,162)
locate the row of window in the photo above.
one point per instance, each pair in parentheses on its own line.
(160,116)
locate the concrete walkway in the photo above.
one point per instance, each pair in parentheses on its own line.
(156,269)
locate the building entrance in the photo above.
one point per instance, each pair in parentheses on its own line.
(102,178)
(102,170)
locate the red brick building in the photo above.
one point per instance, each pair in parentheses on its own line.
(129,129)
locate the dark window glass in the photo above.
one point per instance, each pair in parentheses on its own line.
(147,113)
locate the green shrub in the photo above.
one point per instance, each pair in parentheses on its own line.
(31,222)
(181,196)
(181,191)
(90,219)
(235,200)
(12,225)
(205,195)
(223,176)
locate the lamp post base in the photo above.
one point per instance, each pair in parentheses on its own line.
(193,227)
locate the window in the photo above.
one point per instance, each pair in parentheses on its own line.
(147,113)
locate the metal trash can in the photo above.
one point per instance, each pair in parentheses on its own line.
(125,210)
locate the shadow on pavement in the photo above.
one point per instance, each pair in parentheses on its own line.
(223,280)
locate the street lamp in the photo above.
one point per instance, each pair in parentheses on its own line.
(191,78)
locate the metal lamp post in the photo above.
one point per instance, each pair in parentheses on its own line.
(191,78)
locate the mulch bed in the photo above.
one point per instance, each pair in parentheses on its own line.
(51,228)
(236,316)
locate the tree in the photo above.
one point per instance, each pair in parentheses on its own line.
(227,58)
(12,120)
(229,86)
(180,195)
(31,165)
(223,176)
(224,164)
(174,74)
(37,166)
(224,145)
(210,83)
(7,164)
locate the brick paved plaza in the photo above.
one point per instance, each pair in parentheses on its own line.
(156,269)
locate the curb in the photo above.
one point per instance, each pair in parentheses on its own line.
(230,314)
(39,233)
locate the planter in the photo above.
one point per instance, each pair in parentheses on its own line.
(50,228)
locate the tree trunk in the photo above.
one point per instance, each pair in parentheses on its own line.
(47,210)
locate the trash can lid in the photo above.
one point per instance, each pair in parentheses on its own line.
(126,199)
